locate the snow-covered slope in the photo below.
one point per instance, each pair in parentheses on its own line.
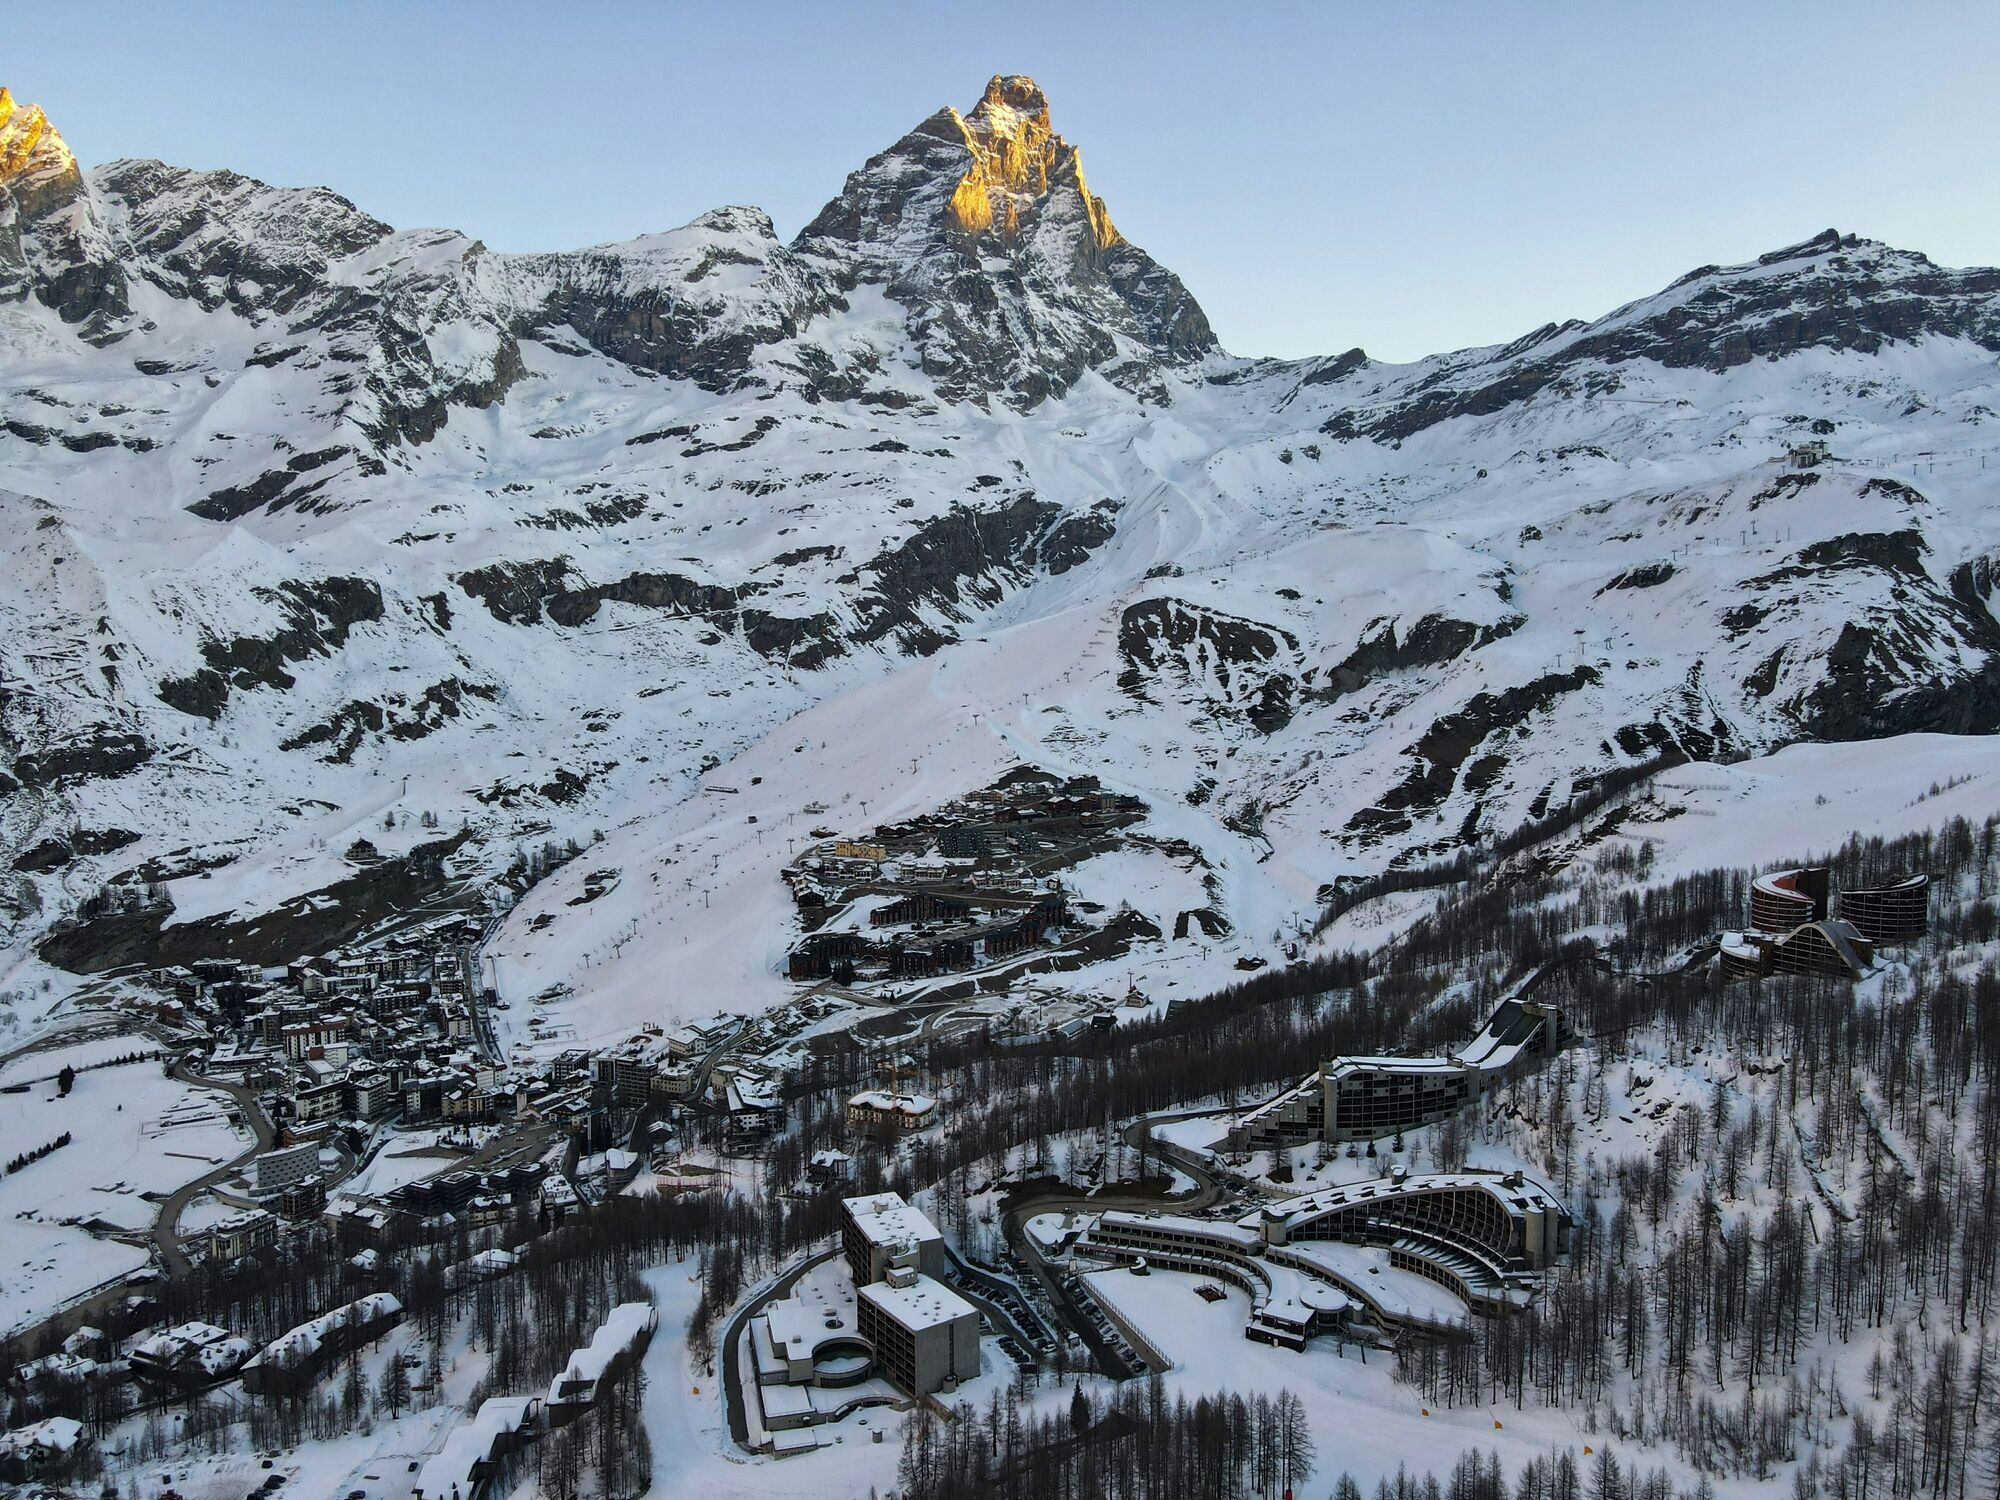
(311,524)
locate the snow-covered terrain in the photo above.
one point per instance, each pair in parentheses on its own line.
(80,1217)
(342,566)
(311,523)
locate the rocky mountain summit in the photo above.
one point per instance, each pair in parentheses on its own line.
(309,520)
(1015,281)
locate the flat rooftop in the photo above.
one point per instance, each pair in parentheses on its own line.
(885,1219)
(922,1304)
(1393,1065)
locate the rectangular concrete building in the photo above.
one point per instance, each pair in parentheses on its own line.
(880,1230)
(925,1336)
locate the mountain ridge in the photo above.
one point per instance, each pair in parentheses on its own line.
(298,505)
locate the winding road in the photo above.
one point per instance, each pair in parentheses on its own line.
(1208,1191)
(166,1227)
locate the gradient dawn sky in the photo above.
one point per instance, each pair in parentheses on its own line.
(1406,177)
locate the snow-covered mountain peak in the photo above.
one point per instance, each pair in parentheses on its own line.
(981,226)
(1011,97)
(298,504)
(36,165)
(53,242)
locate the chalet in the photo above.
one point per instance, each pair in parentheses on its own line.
(830,1168)
(43,1452)
(755,1110)
(188,1355)
(879,1112)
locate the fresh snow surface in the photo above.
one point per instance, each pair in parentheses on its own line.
(133,1131)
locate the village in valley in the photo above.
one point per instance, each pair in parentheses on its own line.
(359,1108)
(829,854)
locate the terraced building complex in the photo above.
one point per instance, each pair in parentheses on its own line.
(1897,911)
(1785,899)
(1366,1259)
(1370,1098)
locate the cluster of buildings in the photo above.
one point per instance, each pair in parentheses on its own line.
(1800,925)
(711,1067)
(1361,1261)
(84,1356)
(188,1356)
(1352,1099)
(882,1328)
(955,889)
(340,1046)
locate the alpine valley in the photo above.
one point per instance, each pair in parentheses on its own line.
(543,796)
(306,518)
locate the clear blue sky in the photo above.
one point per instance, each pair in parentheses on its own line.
(1407,177)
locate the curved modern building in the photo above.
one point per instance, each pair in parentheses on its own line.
(1898,911)
(1785,899)
(1396,1253)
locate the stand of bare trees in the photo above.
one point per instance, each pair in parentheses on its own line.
(1136,1445)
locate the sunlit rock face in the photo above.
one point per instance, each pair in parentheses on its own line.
(1013,281)
(1016,156)
(36,167)
(53,244)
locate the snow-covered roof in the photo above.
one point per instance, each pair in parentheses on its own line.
(923,1303)
(887,1103)
(449,1471)
(1840,935)
(1516,1192)
(50,1435)
(884,1219)
(798,1325)
(304,1342)
(182,1338)
(1385,1064)
(1241,1237)
(624,1328)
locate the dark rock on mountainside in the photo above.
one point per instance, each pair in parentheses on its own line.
(310,923)
(666,317)
(398,716)
(98,754)
(1431,641)
(318,617)
(53,854)
(1234,663)
(1449,742)
(966,556)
